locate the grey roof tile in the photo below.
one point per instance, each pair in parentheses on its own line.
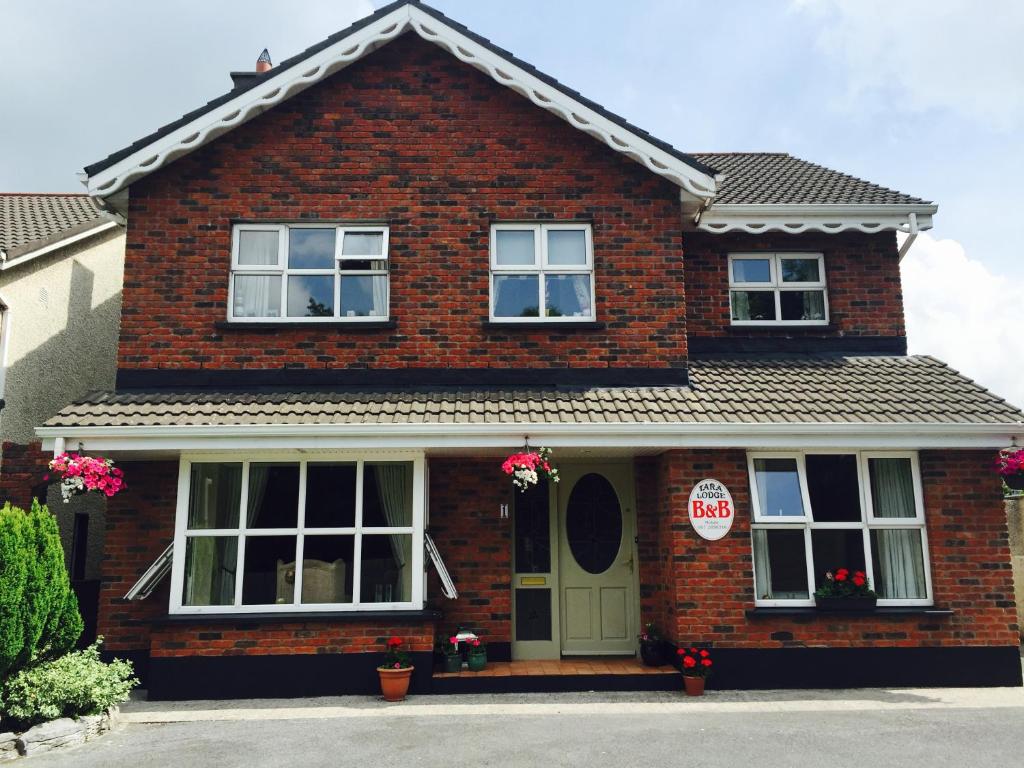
(32,221)
(779,178)
(809,389)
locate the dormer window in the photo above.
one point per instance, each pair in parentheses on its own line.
(308,273)
(778,289)
(542,273)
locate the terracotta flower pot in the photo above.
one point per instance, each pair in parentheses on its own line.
(694,685)
(394,683)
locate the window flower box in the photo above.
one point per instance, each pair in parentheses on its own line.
(846,604)
(843,591)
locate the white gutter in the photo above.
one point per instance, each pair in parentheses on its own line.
(505,435)
(720,218)
(5,264)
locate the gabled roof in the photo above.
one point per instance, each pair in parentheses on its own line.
(33,222)
(254,96)
(911,392)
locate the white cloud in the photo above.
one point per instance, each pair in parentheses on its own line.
(918,55)
(965,315)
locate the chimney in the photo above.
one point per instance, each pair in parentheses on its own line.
(263,63)
(246,79)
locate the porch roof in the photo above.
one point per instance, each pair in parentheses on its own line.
(804,390)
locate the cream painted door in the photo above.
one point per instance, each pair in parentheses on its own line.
(597,583)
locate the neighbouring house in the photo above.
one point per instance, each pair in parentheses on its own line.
(359,280)
(61,260)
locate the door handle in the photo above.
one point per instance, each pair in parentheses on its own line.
(629,564)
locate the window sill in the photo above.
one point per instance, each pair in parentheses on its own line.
(341,326)
(279,617)
(566,327)
(885,610)
(775,328)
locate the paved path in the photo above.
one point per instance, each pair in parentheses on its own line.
(866,729)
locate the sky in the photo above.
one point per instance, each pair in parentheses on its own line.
(925,96)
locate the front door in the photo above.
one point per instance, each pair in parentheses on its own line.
(597,582)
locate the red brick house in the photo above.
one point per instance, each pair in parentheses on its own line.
(356,282)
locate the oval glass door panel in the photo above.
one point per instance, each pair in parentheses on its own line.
(593,523)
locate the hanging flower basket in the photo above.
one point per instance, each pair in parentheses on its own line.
(86,474)
(1010,466)
(526,468)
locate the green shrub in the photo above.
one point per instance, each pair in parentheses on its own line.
(39,617)
(73,685)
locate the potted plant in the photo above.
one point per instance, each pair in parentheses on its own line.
(1010,466)
(452,657)
(652,647)
(527,466)
(477,655)
(696,666)
(396,671)
(845,592)
(86,474)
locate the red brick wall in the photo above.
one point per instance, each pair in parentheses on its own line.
(22,469)
(968,543)
(657,602)
(476,544)
(413,137)
(204,639)
(862,273)
(140,525)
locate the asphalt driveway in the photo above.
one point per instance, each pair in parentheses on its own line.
(919,727)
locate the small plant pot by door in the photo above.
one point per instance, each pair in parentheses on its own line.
(394,683)
(1014,482)
(846,604)
(693,685)
(652,653)
(477,662)
(453,663)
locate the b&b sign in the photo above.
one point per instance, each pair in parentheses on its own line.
(711,509)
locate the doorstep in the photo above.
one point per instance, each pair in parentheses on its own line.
(568,675)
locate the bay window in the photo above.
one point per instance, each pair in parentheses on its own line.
(777,289)
(287,534)
(817,512)
(542,273)
(308,272)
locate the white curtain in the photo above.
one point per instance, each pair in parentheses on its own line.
(257,296)
(900,558)
(258,247)
(212,570)
(395,494)
(380,295)
(900,564)
(581,284)
(257,491)
(740,305)
(814,305)
(762,565)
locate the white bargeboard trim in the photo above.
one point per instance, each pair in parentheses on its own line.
(288,82)
(795,219)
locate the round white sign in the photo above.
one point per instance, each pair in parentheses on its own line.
(711,509)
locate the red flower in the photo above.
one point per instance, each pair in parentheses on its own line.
(859,580)
(681,652)
(693,650)
(394,642)
(706,662)
(704,654)
(841,574)
(689,662)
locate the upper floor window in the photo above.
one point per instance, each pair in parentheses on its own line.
(542,272)
(778,289)
(308,272)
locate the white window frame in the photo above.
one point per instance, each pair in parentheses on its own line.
(181,533)
(542,268)
(866,524)
(777,287)
(282,270)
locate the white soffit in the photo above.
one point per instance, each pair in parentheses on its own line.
(820,218)
(351,48)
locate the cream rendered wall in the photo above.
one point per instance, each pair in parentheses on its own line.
(64,312)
